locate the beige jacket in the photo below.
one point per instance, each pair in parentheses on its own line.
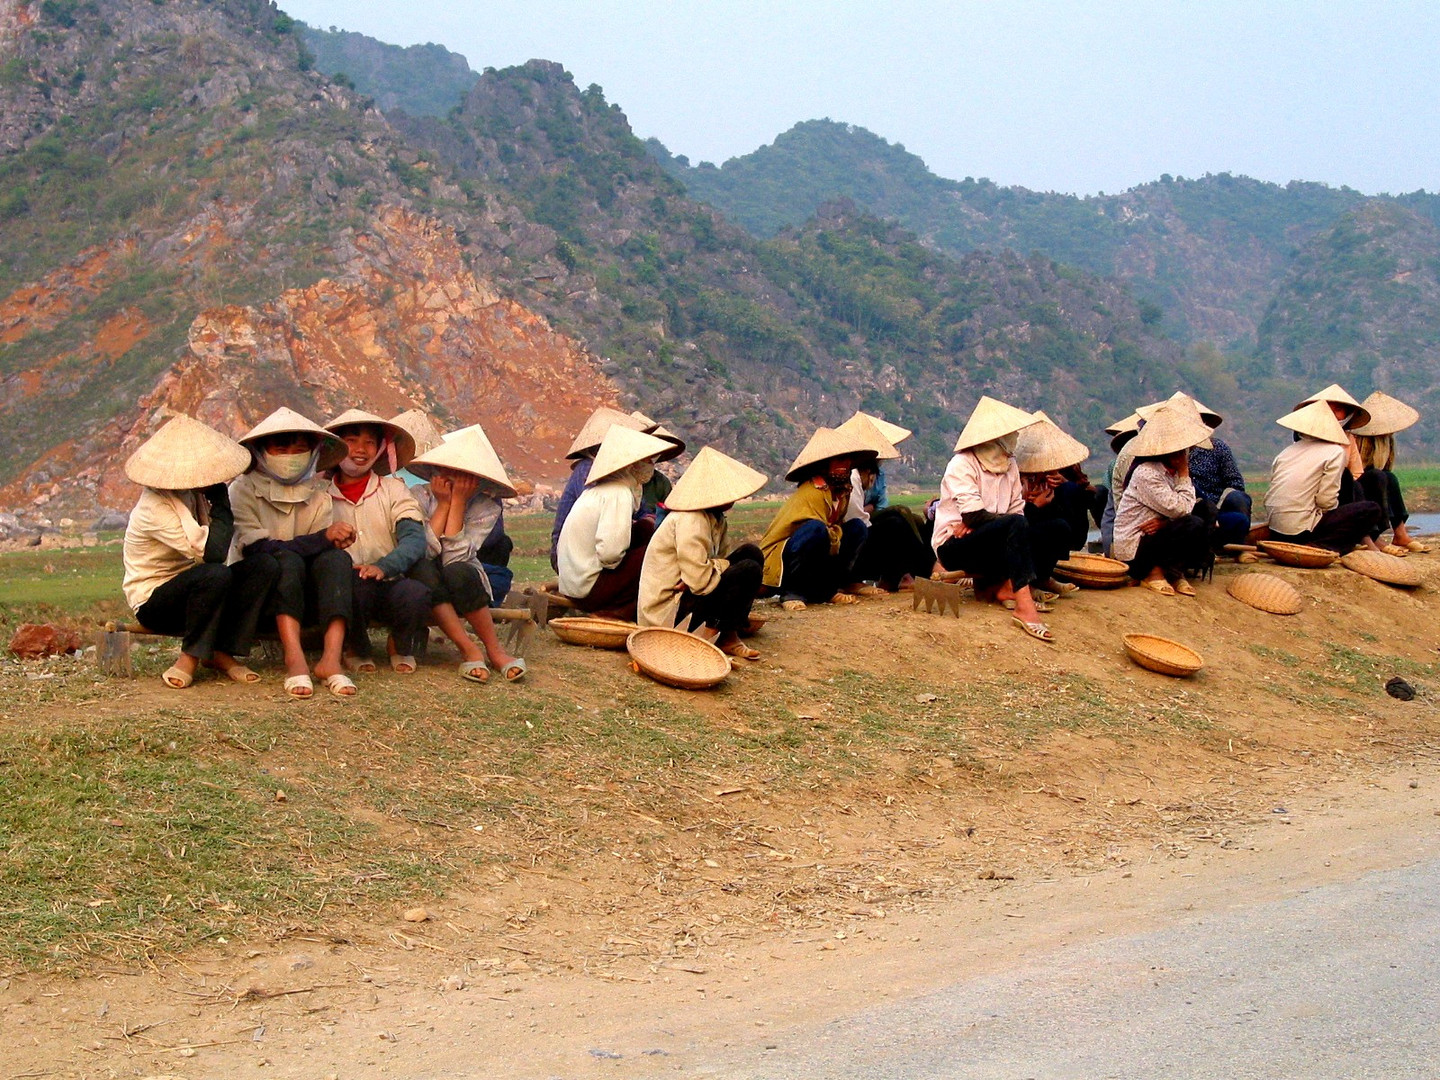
(596,535)
(268,510)
(166,536)
(684,554)
(1304,484)
(386,500)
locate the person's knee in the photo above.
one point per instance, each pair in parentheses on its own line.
(211,577)
(808,534)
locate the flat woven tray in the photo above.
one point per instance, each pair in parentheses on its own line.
(1162,655)
(1093,581)
(676,658)
(1095,565)
(1301,555)
(589,630)
(1267,593)
(1391,569)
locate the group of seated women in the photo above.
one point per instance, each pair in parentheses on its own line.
(310,529)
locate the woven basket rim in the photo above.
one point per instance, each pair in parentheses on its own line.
(636,646)
(1093,581)
(1305,556)
(592,630)
(1093,564)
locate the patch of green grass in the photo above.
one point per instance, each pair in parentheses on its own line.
(65,584)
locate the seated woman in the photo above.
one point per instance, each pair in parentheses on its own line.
(284,513)
(1121,433)
(980,525)
(602,546)
(466,482)
(893,552)
(389,539)
(1049,458)
(684,578)
(582,452)
(1157,531)
(657,488)
(1306,477)
(809,548)
(1376,442)
(176,544)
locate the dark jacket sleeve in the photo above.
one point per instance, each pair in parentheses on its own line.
(409,548)
(222,524)
(306,547)
(1230,474)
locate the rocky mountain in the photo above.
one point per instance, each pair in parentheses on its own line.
(1209,252)
(424,80)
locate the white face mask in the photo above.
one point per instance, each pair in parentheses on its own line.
(352,470)
(288,468)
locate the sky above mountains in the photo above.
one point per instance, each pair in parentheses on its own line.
(1060,96)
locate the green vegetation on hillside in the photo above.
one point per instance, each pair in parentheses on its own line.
(425,80)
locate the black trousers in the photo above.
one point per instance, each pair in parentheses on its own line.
(1381,487)
(212,607)
(457,584)
(1181,544)
(897,544)
(727,606)
(402,604)
(314,591)
(1071,505)
(1342,528)
(1006,548)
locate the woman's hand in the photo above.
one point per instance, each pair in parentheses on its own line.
(1151,527)
(341,535)
(442,485)
(369,572)
(462,486)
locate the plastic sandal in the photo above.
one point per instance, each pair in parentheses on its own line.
(1068,588)
(1395,549)
(1044,596)
(792,605)
(844,598)
(1184,588)
(1038,630)
(340,685)
(299,686)
(359,665)
(1417,547)
(864,590)
(1164,588)
(1042,606)
(740,649)
(515,670)
(475,671)
(405,665)
(241,674)
(177,679)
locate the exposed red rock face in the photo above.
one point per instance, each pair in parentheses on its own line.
(405,324)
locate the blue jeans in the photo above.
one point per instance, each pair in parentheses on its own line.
(1232,524)
(811,573)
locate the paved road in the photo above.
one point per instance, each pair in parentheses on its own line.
(1342,981)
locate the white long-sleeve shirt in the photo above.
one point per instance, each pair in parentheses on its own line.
(596,535)
(1304,484)
(165,537)
(1154,492)
(968,486)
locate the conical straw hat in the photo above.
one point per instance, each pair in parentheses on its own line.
(421,428)
(1043,447)
(825,444)
(285,421)
(647,425)
(1120,427)
(1317,421)
(713,479)
(596,425)
(677,444)
(894,433)
(624,446)
(1335,394)
(1209,417)
(1172,427)
(467,450)
(1387,415)
(992,420)
(403,440)
(186,454)
(865,429)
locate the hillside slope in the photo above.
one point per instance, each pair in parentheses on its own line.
(427,80)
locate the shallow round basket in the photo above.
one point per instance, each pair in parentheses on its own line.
(1162,655)
(589,630)
(676,658)
(1266,592)
(1094,565)
(1301,555)
(1094,581)
(1391,569)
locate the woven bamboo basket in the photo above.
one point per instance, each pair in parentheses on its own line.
(676,658)
(588,630)
(1093,581)
(1094,565)
(1391,569)
(1301,555)
(1162,655)
(1266,592)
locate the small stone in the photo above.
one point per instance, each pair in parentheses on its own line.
(34,641)
(280,796)
(300,962)
(186,1051)
(606,1055)
(1414,784)
(453,982)
(1397,688)
(416,914)
(518,966)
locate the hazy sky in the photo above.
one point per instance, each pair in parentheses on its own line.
(1078,97)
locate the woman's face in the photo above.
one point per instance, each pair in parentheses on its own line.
(289,442)
(1342,412)
(1174,461)
(364,443)
(838,470)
